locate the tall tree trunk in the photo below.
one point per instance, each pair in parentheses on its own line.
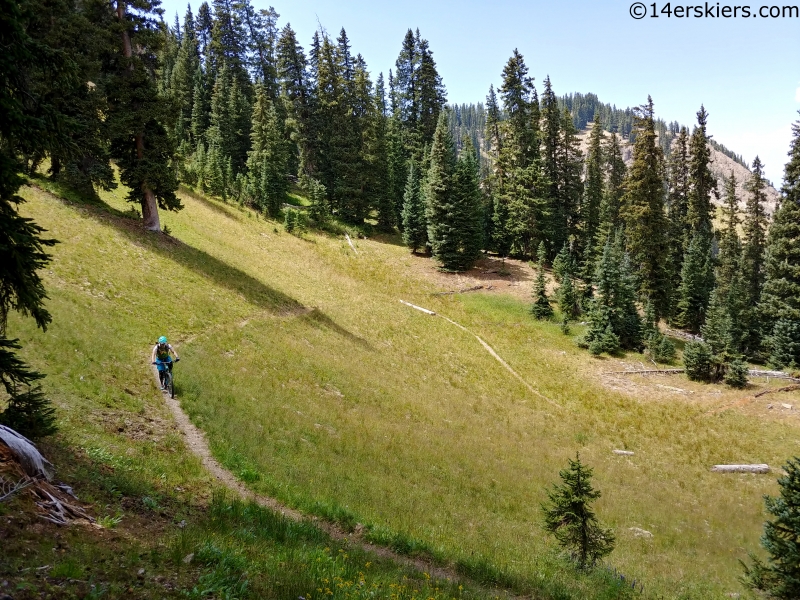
(148,198)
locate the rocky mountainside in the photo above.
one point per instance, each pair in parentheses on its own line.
(721,166)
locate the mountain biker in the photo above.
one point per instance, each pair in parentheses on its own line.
(162,358)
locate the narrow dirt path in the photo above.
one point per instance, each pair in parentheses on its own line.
(196,442)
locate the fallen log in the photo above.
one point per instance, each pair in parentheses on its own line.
(740,469)
(772,374)
(623,452)
(351,243)
(648,372)
(472,289)
(425,310)
(34,464)
(788,388)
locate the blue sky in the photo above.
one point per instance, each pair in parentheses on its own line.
(746,71)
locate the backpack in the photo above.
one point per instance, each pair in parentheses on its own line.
(162,351)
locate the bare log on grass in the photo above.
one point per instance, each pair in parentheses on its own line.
(772,374)
(349,241)
(788,388)
(425,310)
(761,469)
(623,452)
(472,289)
(648,372)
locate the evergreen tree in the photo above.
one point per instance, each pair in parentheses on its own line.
(780,576)
(31,123)
(613,309)
(728,264)
(415,228)
(612,193)
(551,141)
(541,308)
(569,516)
(451,191)
(568,298)
(780,296)
(570,182)
(268,158)
(643,213)
(702,182)
(678,206)
(183,78)
(137,115)
(593,197)
(297,98)
(753,254)
(697,273)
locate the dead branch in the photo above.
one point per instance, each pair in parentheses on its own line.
(788,388)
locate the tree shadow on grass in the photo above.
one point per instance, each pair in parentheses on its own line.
(228,211)
(217,271)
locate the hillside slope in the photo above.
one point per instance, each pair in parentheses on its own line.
(316,385)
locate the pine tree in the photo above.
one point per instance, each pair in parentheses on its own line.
(183,78)
(753,254)
(568,298)
(780,576)
(137,116)
(728,259)
(612,193)
(696,275)
(451,191)
(678,206)
(570,182)
(297,98)
(551,141)
(702,182)
(415,228)
(643,213)
(31,123)
(569,516)
(593,197)
(268,159)
(541,308)
(780,296)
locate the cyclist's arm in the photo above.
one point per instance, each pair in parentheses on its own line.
(175,354)
(153,354)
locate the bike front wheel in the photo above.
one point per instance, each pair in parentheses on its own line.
(169,384)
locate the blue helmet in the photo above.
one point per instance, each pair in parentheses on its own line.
(162,339)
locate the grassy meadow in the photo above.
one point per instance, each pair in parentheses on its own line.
(316,385)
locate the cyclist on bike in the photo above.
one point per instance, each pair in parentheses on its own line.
(162,358)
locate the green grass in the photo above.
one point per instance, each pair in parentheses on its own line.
(316,385)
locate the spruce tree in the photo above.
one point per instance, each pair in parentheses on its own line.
(268,158)
(696,276)
(753,253)
(728,259)
(609,220)
(415,227)
(643,213)
(137,116)
(568,298)
(541,308)
(593,197)
(569,516)
(780,576)
(780,297)
(678,206)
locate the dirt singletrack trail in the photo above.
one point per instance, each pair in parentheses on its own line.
(196,442)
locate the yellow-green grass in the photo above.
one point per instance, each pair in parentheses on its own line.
(317,385)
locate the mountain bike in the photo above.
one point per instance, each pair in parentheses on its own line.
(166,377)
